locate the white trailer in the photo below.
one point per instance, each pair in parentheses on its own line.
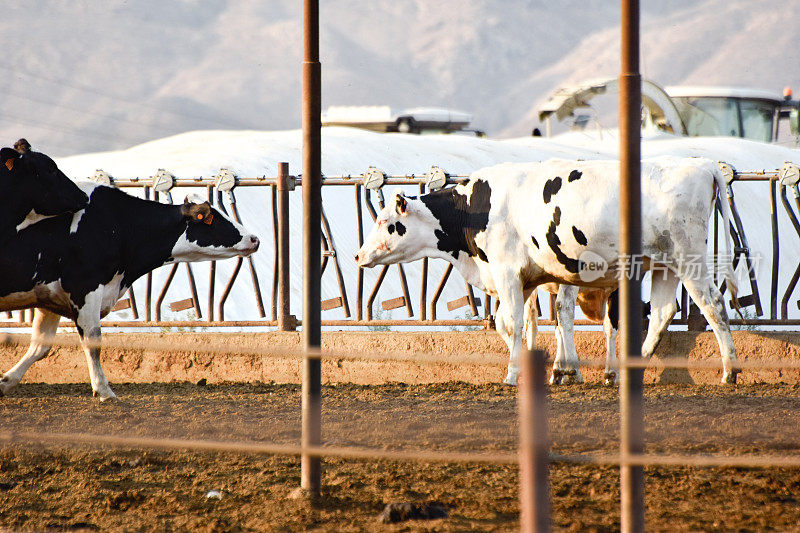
(386,119)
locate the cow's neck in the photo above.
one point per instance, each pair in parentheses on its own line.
(461,213)
(13,212)
(466,266)
(458,221)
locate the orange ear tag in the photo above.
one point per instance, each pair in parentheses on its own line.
(10,164)
(209,219)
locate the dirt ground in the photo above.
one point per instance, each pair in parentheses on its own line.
(55,487)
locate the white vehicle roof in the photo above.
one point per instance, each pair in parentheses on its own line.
(436,114)
(723,92)
(382,113)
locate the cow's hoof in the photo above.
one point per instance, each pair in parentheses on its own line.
(105,395)
(729,378)
(511,381)
(568,376)
(610,378)
(571,377)
(5,386)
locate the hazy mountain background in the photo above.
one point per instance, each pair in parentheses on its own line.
(90,76)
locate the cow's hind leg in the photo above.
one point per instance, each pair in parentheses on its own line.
(708,298)
(88,323)
(566,367)
(610,328)
(510,322)
(45,325)
(662,308)
(531,326)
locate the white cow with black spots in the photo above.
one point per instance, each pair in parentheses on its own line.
(512,227)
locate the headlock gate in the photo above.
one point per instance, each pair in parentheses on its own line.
(221,191)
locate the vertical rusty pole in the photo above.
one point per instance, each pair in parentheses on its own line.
(274,196)
(360,229)
(311,468)
(148,291)
(282,251)
(630,289)
(534,445)
(212,269)
(423,289)
(773,215)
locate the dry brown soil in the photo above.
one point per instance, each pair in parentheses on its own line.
(55,487)
(223,357)
(394,405)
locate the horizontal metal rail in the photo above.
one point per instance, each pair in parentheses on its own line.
(251,447)
(200,324)
(165,345)
(261,448)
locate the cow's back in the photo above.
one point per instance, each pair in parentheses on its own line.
(557,210)
(63,257)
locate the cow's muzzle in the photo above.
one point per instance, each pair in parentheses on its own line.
(363,261)
(252,246)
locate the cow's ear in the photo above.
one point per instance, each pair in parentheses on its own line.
(9,157)
(187,208)
(197,212)
(400,203)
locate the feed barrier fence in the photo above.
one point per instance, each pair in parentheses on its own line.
(356,300)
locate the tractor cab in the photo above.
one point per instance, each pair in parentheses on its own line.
(755,114)
(734,112)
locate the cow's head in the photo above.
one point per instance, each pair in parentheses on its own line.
(403,232)
(211,235)
(35,183)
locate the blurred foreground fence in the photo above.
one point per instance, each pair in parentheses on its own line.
(355,299)
(533,452)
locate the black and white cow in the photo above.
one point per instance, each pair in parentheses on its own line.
(78,265)
(32,186)
(513,227)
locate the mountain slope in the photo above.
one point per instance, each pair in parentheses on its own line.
(80,77)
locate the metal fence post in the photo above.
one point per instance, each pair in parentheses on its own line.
(274,197)
(311,465)
(148,291)
(212,269)
(285,319)
(773,214)
(534,445)
(360,280)
(630,289)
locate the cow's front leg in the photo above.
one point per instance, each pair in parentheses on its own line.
(88,323)
(45,325)
(566,367)
(510,323)
(531,321)
(610,328)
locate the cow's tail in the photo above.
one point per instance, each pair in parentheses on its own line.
(727,264)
